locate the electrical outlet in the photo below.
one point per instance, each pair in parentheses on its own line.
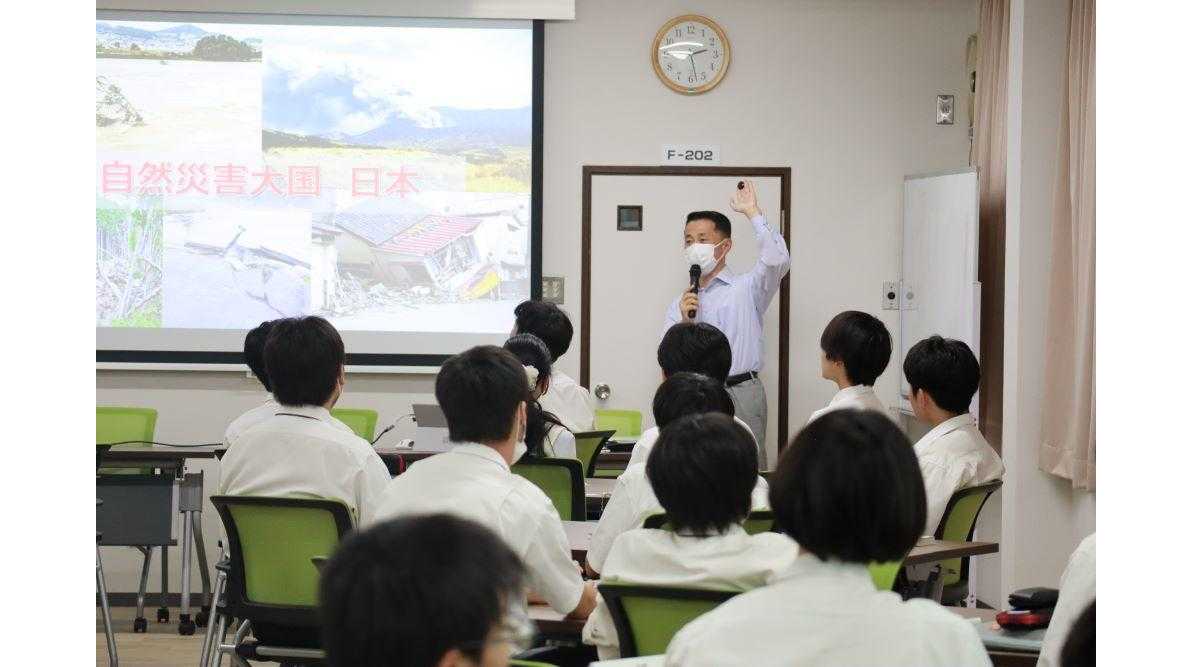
(890,296)
(552,290)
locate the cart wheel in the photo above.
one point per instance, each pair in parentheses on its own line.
(202,617)
(163,615)
(185,625)
(139,624)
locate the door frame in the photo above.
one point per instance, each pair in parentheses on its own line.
(784,304)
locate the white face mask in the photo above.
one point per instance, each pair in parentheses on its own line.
(703,254)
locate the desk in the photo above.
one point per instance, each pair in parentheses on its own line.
(931,550)
(555,624)
(392,455)
(928,550)
(1005,648)
(189,490)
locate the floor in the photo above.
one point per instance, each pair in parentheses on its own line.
(161,646)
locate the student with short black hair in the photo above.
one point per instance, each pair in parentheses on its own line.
(546,436)
(424,591)
(944,375)
(254,358)
(633,499)
(565,399)
(483,393)
(300,449)
(704,473)
(848,491)
(690,347)
(855,349)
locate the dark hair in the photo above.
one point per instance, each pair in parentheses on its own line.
(695,347)
(718,219)
(703,469)
(861,342)
(406,591)
(849,488)
(479,391)
(304,357)
(1080,648)
(531,351)
(548,322)
(254,352)
(684,394)
(944,368)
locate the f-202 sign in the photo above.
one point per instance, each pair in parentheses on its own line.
(681,154)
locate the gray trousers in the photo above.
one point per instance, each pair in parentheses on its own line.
(749,399)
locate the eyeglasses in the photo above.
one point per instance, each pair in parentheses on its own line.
(515,629)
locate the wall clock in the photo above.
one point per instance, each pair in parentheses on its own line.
(691,54)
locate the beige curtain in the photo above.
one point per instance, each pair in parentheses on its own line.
(989,156)
(1070,396)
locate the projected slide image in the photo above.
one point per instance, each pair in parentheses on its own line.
(128,261)
(376,175)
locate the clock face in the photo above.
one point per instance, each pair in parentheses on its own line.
(691,54)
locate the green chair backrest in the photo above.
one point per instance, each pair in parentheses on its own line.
(122,425)
(587,446)
(960,519)
(883,574)
(272,542)
(362,421)
(562,480)
(647,617)
(758,521)
(626,423)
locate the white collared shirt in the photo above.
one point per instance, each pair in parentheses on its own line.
(857,397)
(302,451)
(736,303)
(954,456)
(632,502)
(259,414)
(1078,587)
(559,443)
(568,401)
(645,443)
(474,482)
(827,613)
(733,561)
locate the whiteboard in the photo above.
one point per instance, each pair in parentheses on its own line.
(940,293)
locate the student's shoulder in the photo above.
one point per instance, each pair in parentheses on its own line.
(771,542)
(524,497)
(930,616)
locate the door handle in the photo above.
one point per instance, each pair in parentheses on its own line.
(602,391)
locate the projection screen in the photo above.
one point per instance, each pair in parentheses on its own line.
(383,174)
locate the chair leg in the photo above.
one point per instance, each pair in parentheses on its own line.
(215,653)
(113,658)
(201,618)
(139,624)
(205,654)
(185,625)
(163,611)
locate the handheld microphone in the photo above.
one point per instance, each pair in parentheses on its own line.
(695,274)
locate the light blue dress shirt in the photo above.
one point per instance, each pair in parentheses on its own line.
(736,303)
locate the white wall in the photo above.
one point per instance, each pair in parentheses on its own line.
(842,92)
(1043,518)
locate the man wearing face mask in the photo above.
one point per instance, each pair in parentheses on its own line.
(735,303)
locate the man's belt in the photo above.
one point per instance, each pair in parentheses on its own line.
(734,380)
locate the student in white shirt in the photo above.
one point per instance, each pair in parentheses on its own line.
(943,375)
(254,357)
(483,394)
(300,450)
(427,591)
(855,349)
(703,471)
(565,399)
(545,434)
(848,491)
(633,500)
(1078,589)
(690,347)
